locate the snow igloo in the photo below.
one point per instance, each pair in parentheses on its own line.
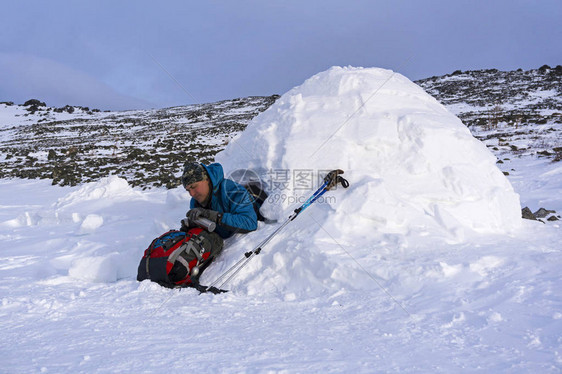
(411,163)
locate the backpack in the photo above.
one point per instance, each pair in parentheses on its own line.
(177,258)
(258,196)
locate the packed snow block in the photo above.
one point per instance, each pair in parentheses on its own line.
(102,269)
(412,165)
(91,223)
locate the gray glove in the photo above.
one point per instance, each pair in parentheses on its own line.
(186,225)
(195,213)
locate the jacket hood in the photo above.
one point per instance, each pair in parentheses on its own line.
(216,174)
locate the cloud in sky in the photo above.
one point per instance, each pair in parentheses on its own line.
(178,52)
(26,77)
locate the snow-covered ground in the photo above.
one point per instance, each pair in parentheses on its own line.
(374,278)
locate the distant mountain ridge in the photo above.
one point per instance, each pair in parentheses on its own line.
(515,113)
(511,111)
(527,94)
(72,145)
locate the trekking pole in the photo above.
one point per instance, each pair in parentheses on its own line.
(330,181)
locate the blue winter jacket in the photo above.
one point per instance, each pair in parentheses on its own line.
(232,200)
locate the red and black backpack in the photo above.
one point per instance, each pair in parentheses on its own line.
(176,258)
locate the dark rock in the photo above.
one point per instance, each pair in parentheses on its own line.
(527,214)
(32,108)
(542,213)
(553,218)
(34,102)
(67,108)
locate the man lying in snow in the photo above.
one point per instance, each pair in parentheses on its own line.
(223,201)
(177,258)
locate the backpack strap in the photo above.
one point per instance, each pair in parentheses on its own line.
(194,244)
(183,261)
(150,248)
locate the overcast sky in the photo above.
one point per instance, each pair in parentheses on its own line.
(149,54)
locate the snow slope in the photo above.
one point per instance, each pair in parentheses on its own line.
(69,301)
(334,292)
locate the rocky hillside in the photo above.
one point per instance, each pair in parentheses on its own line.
(71,145)
(515,113)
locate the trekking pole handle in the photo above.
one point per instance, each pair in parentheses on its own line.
(205,223)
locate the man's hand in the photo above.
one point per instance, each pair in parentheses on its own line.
(185,225)
(195,213)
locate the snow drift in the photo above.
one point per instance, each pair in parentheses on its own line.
(415,171)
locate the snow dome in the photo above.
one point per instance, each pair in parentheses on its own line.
(412,164)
